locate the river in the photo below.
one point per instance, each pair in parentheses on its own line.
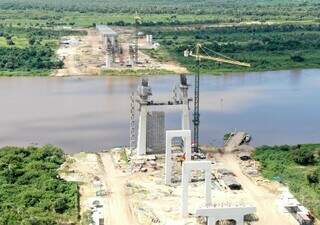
(92,113)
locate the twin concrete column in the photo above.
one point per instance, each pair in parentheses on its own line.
(142,130)
(187,167)
(170,134)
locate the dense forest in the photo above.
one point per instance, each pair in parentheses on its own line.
(31,58)
(163,6)
(177,12)
(296,166)
(266,47)
(31,192)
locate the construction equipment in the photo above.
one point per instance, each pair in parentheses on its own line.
(198,56)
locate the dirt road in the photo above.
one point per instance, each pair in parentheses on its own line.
(264,200)
(84,57)
(118,207)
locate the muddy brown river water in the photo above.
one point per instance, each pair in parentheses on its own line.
(92,113)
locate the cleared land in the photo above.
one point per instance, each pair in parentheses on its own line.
(136,193)
(264,199)
(83,57)
(118,207)
(87,56)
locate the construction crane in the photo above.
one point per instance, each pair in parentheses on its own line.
(198,56)
(137,21)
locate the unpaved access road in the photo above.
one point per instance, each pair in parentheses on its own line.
(265,201)
(118,210)
(84,58)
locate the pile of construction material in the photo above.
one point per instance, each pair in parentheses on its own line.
(289,204)
(228,179)
(237,141)
(144,163)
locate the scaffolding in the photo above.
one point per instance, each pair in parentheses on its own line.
(132,135)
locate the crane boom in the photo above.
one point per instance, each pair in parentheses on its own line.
(222,60)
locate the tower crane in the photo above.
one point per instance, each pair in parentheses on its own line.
(198,56)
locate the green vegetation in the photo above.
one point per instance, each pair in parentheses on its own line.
(220,10)
(231,26)
(29,51)
(266,47)
(177,12)
(31,191)
(296,166)
(226,136)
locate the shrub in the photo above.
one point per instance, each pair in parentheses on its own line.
(297,58)
(314,176)
(304,157)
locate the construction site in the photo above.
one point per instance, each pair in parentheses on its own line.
(166,177)
(109,50)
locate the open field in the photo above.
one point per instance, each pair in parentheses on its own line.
(136,197)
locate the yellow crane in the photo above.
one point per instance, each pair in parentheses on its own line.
(196,112)
(216,59)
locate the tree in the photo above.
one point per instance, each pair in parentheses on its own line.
(304,157)
(32,40)
(314,176)
(10,42)
(297,58)
(61,205)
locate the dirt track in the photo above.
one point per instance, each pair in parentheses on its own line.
(264,200)
(84,58)
(118,208)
